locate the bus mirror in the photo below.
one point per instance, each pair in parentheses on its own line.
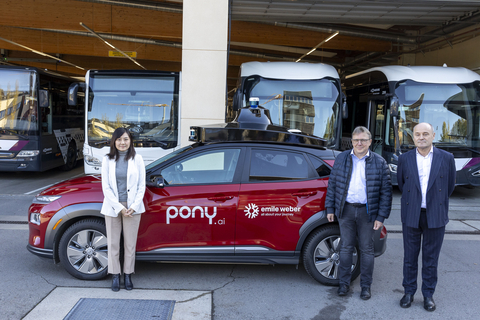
(394,104)
(73,91)
(237,100)
(344,110)
(43,98)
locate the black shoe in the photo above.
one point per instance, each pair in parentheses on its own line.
(406,300)
(128,282)
(343,290)
(429,304)
(365,294)
(116,282)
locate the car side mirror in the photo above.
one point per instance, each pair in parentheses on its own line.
(156,181)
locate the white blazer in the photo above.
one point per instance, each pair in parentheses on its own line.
(135,186)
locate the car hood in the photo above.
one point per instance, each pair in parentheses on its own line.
(78,190)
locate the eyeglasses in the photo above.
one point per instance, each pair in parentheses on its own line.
(356,141)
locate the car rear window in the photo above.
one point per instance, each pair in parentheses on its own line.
(270,165)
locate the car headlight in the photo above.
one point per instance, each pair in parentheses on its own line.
(45,199)
(28,153)
(93,161)
(392,167)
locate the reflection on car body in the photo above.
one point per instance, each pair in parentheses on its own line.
(229,200)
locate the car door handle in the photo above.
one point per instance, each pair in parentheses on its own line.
(304,194)
(221,198)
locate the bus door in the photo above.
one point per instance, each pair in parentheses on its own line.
(376,124)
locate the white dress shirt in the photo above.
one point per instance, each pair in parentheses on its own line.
(424,164)
(357,189)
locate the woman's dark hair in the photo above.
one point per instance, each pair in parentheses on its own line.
(113,154)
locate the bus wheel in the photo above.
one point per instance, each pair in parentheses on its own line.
(83,250)
(321,256)
(71,158)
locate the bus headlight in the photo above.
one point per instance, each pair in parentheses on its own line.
(28,153)
(93,161)
(392,167)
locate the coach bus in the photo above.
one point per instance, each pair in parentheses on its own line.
(146,102)
(39,130)
(391,100)
(300,96)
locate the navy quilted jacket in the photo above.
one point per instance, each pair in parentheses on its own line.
(379,186)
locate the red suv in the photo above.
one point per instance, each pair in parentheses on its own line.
(256,199)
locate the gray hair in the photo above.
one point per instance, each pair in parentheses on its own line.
(361,129)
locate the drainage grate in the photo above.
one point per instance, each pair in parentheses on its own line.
(13,222)
(117,309)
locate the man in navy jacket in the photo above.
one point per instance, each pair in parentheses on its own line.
(426,178)
(360,196)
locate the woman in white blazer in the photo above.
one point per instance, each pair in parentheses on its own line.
(123,185)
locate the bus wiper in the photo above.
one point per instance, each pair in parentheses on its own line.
(473,150)
(152,138)
(14,133)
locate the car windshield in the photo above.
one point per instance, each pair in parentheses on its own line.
(18,103)
(452,109)
(146,105)
(307,105)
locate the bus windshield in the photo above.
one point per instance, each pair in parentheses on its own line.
(18,103)
(307,105)
(146,105)
(452,109)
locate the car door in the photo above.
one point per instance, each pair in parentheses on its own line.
(281,191)
(196,207)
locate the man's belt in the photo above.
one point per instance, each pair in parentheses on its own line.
(356,205)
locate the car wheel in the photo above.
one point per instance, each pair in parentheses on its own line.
(71,158)
(321,256)
(83,250)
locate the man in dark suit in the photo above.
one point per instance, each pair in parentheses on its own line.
(426,178)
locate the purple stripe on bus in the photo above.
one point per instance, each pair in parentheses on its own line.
(18,146)
(472,162)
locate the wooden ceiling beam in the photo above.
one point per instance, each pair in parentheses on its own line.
(102,18)
(53,43)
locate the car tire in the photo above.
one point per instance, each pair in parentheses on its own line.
(71,161)
(321,255)
(83,250)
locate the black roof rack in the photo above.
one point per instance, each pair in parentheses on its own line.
(252,124)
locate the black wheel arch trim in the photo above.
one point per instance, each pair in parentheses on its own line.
(69,216)
(317,220)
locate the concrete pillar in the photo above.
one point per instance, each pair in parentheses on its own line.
(204,63)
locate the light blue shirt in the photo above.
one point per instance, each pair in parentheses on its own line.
(357,189)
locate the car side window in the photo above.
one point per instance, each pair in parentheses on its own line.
(272,165)
(322,169)
(213,166)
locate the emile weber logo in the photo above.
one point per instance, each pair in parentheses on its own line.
(251,212)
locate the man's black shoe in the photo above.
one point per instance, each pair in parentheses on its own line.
(343,290)
(406,300)
(429,304)
(116,282)
(365,294)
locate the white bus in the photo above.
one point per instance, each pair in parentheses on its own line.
(391,100)
(145,102)
(302,96)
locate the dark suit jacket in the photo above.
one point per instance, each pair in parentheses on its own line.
(441,183)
